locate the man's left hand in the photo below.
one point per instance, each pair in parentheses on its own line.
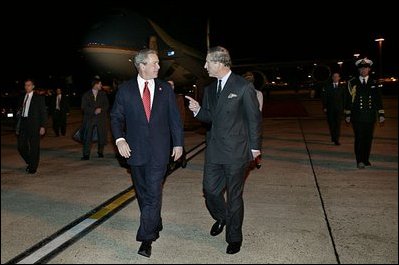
(42,130)
(177,152)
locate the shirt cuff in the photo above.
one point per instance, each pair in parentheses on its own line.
(195,113)
(119,139)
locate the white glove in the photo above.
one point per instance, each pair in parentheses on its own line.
(348,119)
(123,148)
(177,152)
(382,119)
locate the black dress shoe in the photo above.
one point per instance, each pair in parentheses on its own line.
(233,248)
(27,168)
(367,164)
(337,143)
(101,155)
(85,158)
(184,163)
(217,228)
(145,249)
(31,171)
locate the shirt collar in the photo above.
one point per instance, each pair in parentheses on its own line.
(141,82)
(224,78)
(364,77)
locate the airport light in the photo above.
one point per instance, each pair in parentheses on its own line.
(380,40)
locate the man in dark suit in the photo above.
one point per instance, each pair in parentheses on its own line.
(332,96)
(363,102)
(31,126)
(95,112)
(59,108)
(144,120)
(231,108)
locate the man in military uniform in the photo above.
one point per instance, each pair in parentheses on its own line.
(333,105)
(362,104)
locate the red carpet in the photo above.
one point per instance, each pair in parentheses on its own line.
(284,108)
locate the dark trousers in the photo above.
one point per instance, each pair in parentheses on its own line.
(230,178)
(363,139)
(59,122)
(29,144)
(147,181)
(88,138)
(334,123)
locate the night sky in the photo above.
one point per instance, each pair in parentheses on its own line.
(44,37)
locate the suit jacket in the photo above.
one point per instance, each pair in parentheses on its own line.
(235,121)
(362,103)
(333,98)
(89,104)
(64,104)
(37,114)
(149,141)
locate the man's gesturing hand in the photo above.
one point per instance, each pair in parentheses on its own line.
(123,148)
(193,105)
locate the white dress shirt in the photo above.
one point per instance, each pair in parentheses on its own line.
(27,104)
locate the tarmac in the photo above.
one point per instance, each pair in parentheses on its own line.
(308,203)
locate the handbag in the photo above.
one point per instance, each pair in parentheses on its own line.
(79,135)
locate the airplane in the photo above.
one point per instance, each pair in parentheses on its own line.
(112,43)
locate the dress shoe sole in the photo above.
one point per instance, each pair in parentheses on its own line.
(233,249)
(144,254)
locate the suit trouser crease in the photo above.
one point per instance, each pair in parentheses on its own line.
(334,124)
(29,145)
(230,178)
(59,122)
(88,136)
(363,140)
(147,181)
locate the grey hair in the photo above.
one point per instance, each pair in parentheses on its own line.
(220,54)
(142,56)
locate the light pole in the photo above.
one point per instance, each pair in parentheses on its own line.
(380,40)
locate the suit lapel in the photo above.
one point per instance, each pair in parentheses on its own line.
(158,90)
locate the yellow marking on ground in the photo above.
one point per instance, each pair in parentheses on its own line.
(112,205)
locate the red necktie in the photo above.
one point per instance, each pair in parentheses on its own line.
(147,101)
